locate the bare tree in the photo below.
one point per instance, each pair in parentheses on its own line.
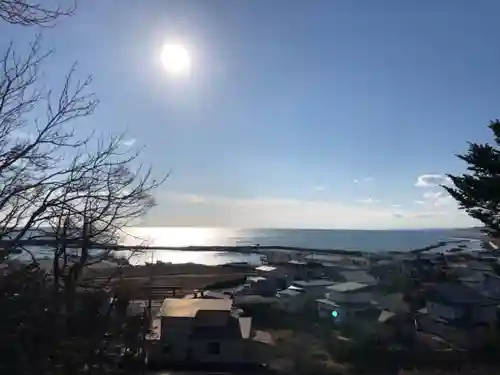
(58,183)
(28,13)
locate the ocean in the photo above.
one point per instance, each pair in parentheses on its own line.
(364,240)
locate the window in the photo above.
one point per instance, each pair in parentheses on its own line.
(214,348)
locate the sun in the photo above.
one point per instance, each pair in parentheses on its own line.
(175,59)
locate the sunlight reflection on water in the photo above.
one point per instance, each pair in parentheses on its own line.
(183,237)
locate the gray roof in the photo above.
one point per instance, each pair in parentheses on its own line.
(188,308)
(312,283)
(327,302)
(288,293)
(266,268)
(392,302)
(256,279)
(358,276)
(459,294)
(349,286)
(297,262)
(325,257)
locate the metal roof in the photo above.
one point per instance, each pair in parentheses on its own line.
(187,308)
(256,279)
(451,293)
(297,262)
(349,286)
(266,268)
(312,283)
(358,276)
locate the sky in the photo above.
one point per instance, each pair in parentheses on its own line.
(299,114)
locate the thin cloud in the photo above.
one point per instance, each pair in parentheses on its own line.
(438,198)
(194,209)
(432,180)
(368,200)
(22,135)
(128,142)
(360,181)
(395,205)
(416,215)
(319,188)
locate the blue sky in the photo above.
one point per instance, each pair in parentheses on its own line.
(296,113)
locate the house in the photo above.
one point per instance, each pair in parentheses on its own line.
(331,258)
(333,270)
(274,275)
(488,284)
(258,285)
(293,298)
(341,260)
(359,277)
(296,270)
(393,302)
(385,269)
(345,301)
(313,288)
(491,286)
(458,304)
(202,331)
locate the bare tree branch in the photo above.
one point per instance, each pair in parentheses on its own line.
(30,13)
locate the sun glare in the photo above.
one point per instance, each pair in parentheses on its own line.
(176,59)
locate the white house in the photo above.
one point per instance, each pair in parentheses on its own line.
(203,331)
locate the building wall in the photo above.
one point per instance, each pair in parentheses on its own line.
(296,272)
(229,351)
(353,297)
(314,292)
(477,314)
(346,313)
(293,304)
(441,311)
(174,341)
(484,314)
(492,287)
(175,345)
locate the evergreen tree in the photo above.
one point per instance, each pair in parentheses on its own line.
(478,190)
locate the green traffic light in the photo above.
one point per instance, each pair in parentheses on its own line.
(335,314)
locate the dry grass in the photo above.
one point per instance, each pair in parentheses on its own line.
(186,277)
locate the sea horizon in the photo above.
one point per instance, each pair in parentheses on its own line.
(322,239)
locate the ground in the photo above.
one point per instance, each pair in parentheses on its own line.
(163,276)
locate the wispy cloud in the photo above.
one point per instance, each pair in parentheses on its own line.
(128,142)
(177,208)
(438,198)
(368,200)
(395,205)
(22,135)
(319,188)
(432,180)
(417,215)
(359,181)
